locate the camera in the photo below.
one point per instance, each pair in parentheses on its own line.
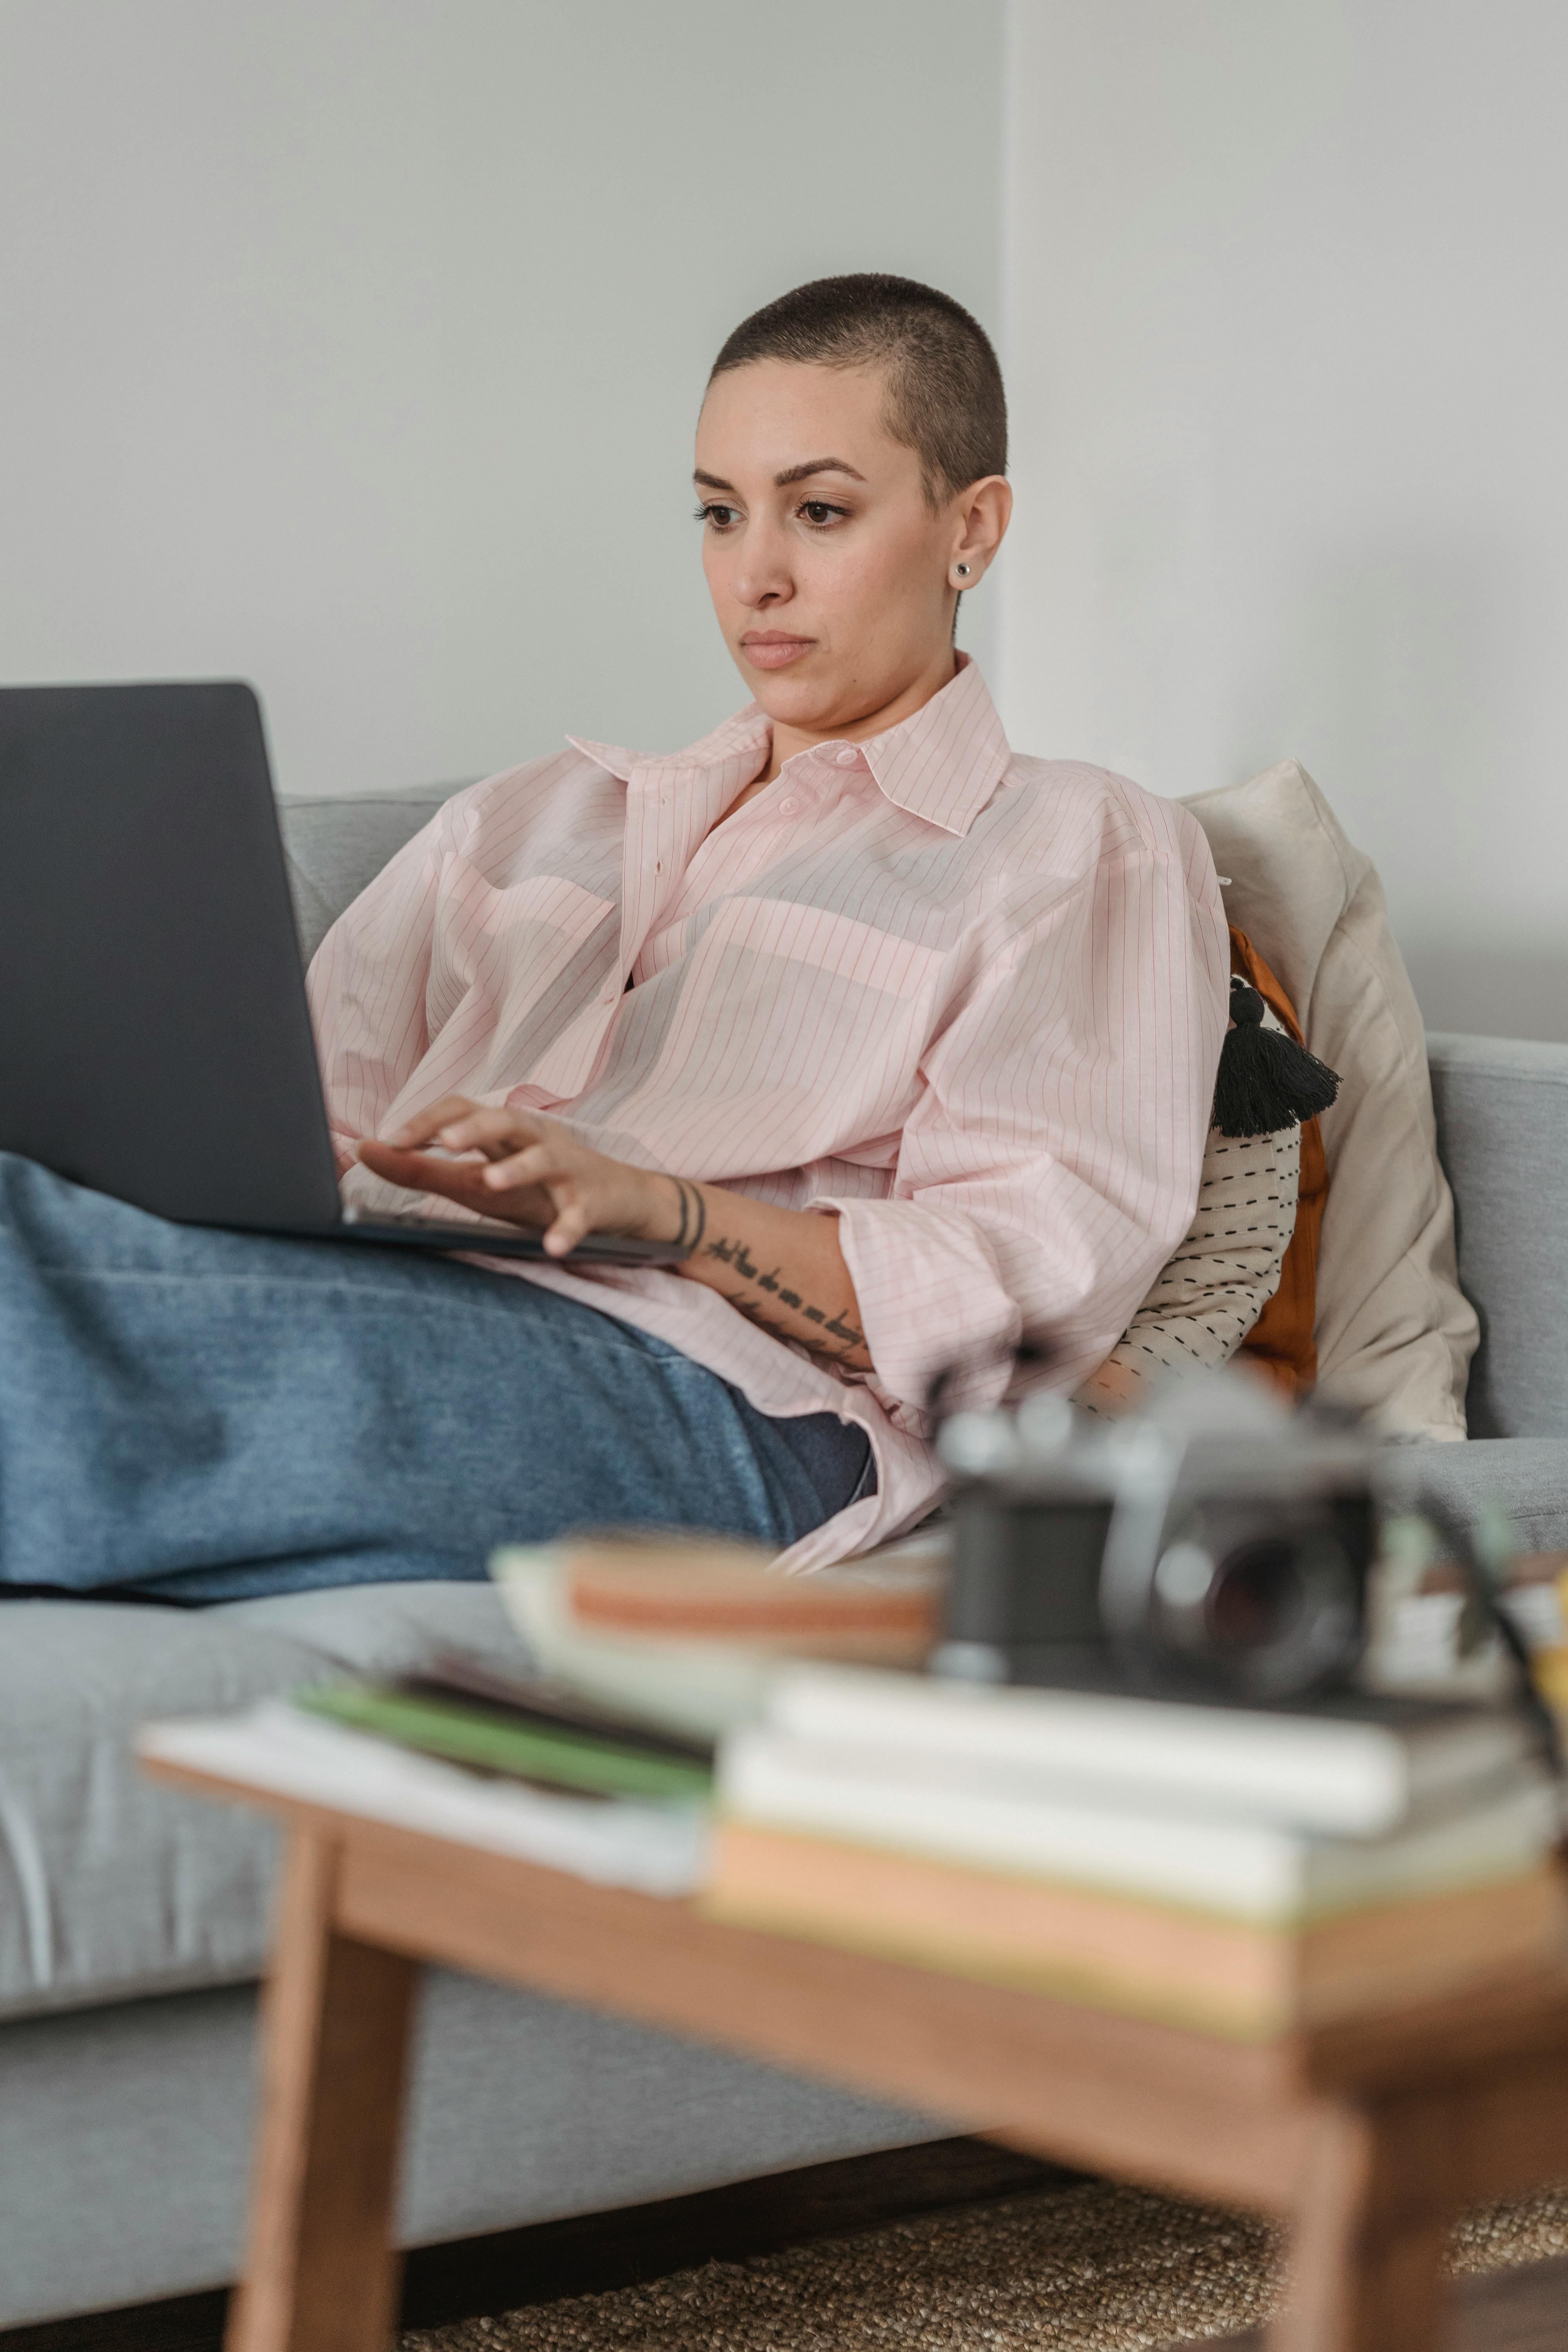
(1214,1544)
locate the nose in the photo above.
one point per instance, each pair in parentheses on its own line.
(761,576)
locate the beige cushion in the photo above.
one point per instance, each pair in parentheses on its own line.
(1394,1332)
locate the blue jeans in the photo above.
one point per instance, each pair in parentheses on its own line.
(203,1416)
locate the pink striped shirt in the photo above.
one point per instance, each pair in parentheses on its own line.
(970,1004)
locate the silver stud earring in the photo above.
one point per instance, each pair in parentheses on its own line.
(962,570)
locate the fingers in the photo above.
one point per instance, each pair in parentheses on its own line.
(388,1159)
(476,1188)
(493,1132)
(427,1125)
(537,1165)
(458,1125)
(569,1228)
(458,1180)
(529,1171)
(416,1172)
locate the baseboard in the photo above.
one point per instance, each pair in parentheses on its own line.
(590,2252)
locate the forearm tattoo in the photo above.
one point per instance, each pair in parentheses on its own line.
(835,1336)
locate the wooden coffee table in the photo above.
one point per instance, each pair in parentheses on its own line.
(1370,2139)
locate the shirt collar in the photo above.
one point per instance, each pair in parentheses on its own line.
(942,763)
(727,759)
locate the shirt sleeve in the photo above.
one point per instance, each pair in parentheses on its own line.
(1051,1165)
(368,986)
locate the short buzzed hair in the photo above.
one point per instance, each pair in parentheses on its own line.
(945,399)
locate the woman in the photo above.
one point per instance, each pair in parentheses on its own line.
(912,1039)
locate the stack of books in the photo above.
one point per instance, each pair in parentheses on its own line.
(601,1760)
(1242,1871)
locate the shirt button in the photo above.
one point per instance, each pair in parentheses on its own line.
(847,758)
(789,806)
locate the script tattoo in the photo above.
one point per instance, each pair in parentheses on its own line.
(837,1337)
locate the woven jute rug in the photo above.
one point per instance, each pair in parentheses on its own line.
(1091,2268)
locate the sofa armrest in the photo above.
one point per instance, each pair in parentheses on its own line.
(1502,1134)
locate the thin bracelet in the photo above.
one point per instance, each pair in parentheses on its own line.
(681,1238)
(692,1227)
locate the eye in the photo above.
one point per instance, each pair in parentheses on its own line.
(820,515)
(717,514)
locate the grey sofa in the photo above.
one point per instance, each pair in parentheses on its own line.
(132,1922)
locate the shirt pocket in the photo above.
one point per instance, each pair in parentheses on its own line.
(818,941)
(788,1000)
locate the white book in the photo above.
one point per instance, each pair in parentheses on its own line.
(1354,1769)
(658,1848)
(990,1818)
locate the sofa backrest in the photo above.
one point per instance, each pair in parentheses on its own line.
(1502,1132)
(336,846)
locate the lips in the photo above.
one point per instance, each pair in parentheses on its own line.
(773,648)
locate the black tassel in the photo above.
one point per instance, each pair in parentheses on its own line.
(1266,1080)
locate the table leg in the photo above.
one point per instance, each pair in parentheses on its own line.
(1367,2252)
(321,2273)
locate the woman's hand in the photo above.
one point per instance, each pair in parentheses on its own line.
(529,1172)
(783,1268)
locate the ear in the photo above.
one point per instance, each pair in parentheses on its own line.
(980,520)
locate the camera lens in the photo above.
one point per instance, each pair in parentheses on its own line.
(1269,1610)
(1255,1598)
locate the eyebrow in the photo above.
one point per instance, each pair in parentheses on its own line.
(791,474)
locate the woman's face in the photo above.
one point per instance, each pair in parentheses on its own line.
(831,574)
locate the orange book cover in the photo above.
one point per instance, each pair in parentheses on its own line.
(696,1589)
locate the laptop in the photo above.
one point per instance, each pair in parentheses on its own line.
(155,1041)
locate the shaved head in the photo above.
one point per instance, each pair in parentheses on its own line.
(944,395)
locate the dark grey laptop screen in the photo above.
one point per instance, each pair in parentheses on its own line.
(154,1038)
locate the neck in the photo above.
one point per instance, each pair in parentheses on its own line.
(787,741)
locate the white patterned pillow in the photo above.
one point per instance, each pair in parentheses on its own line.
(1207,1301)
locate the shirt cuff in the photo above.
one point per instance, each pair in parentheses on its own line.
(932,1301)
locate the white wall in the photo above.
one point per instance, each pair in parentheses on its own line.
(354,346)
(1287,348)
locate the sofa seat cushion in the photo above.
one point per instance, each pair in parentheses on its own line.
(1527,1476)
(111,1886)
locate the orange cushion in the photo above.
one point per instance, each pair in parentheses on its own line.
(1280,1342)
